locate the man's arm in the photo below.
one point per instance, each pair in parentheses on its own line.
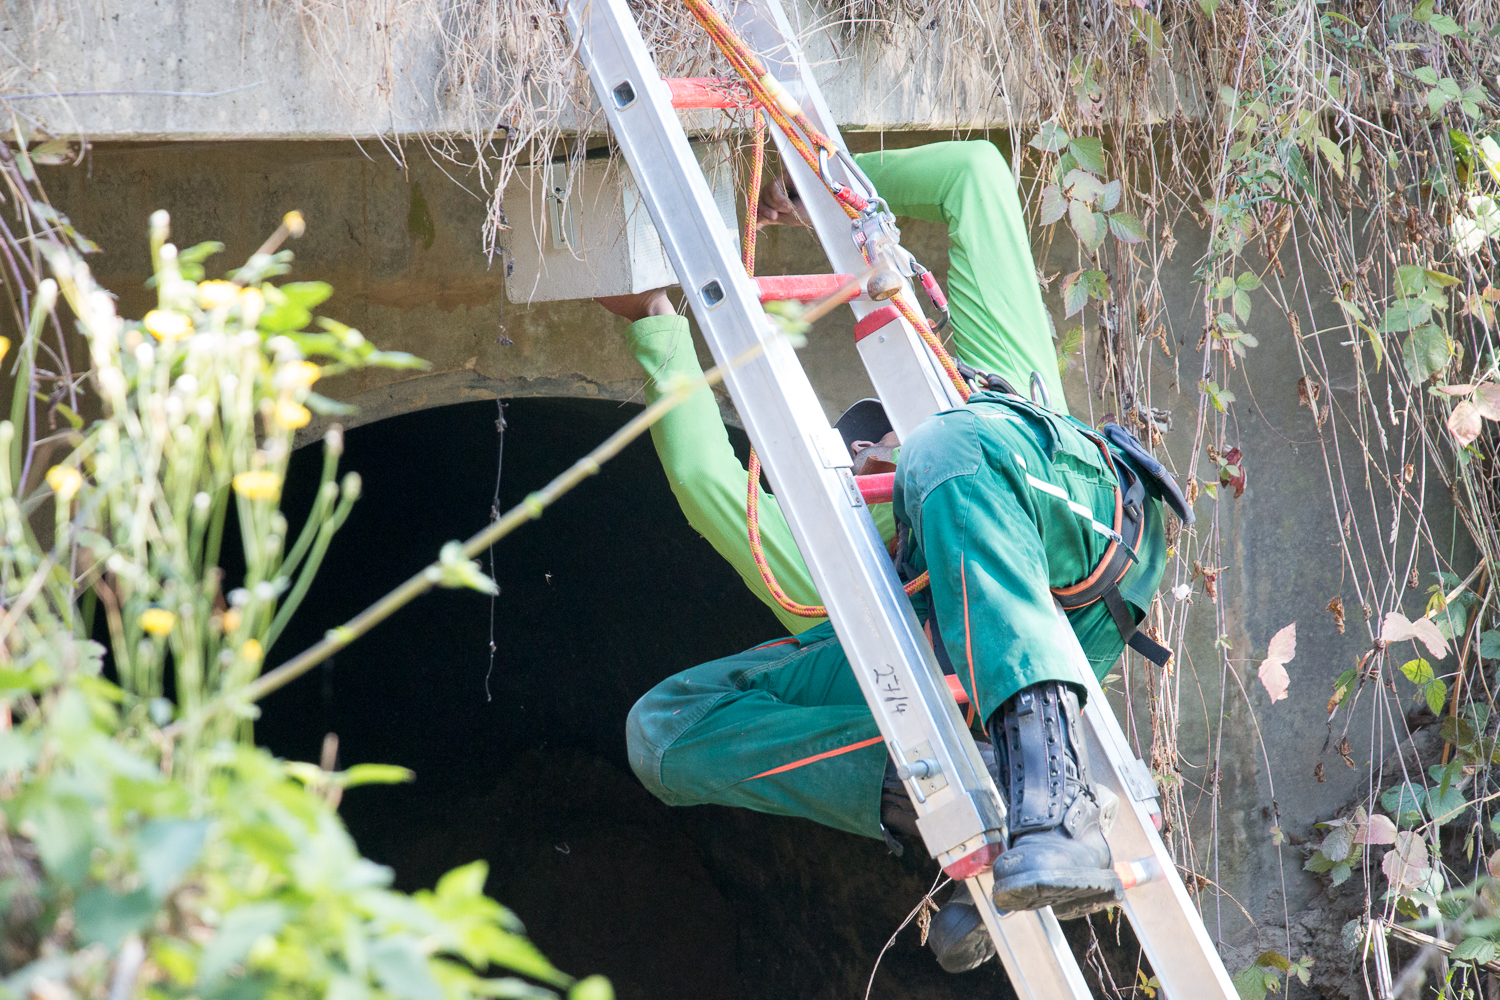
(706,477)
(999,322)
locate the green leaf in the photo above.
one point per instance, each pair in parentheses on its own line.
(1489,646)
(1068,346)
(1437,694)
(307,294)
(325,407)
(1049,138)
(1220,398)
(399,964)
(592,988)
(374,774)
(1089,152)
(1127,228)
(1318,864)
(1447,807)
(1332,153)
(1254,982)
(1296,167)
(1457,731)
(1081,217)
(1340,872)
(1248,281)
(1405,314)
(17,751)
(1444,24)
(1473,949)
(241,928)
(64,834)
(1404,803)
(1426,353)
(1054,206)
(1075,294)
(1241,303)
(1427,75)
(104,916)
(1082,185)
(1110,196)
(1418,671)
(1439,278)
(165,849)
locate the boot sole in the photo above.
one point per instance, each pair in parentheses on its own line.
(1074,893)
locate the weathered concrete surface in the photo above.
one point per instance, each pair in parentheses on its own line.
(377,68)
(401,248)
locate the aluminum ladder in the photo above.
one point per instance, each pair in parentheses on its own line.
(960,814)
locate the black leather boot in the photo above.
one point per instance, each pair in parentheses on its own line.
(957,935)
(1057,855)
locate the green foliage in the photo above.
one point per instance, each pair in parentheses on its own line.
(146,847)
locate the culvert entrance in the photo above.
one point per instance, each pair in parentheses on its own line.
(524,765)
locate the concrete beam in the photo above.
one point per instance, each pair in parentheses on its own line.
(373,70)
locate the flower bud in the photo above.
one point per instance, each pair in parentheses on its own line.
(217,294)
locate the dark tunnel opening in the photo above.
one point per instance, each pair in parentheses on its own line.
(524,766)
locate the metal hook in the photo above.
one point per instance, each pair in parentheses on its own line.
(1039,393)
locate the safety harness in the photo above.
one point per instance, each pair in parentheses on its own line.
(1103,583)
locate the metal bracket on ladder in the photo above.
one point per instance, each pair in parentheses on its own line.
(961,817)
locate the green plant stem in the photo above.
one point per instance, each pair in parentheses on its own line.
(305,578)
(424,580)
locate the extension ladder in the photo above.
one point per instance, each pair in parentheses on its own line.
(960,814)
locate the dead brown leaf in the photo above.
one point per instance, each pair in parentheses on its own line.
(1337,607)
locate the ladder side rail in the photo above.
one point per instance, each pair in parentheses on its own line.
(1168,925)
(1037,958)
(803,454)
(764,26)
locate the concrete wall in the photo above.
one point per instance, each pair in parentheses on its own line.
(401,247)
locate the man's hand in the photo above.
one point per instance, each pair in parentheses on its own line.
(779,205)
(640,305)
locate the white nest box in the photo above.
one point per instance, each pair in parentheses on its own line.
(595,236)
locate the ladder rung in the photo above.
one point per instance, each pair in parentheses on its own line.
(872,321)
(878,488)
(805,287)
(708,92)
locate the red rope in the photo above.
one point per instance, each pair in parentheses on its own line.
(754,73)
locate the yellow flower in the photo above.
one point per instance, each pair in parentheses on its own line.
(294,224)
(292,415)
(157,621)
(251,304)
(4,347)
(216,294)
(165,325)
(251,651)
(232,619)
(300,374)
(259,485)
(65,482)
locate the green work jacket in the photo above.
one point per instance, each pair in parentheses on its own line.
(999,324)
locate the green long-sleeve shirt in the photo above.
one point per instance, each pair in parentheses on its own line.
(999,325)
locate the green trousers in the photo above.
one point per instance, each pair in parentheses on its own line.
(1004,500)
